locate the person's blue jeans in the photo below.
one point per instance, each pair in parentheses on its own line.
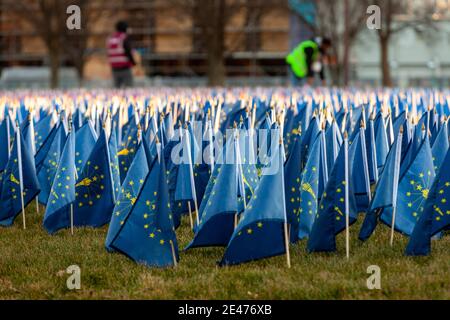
(294,80)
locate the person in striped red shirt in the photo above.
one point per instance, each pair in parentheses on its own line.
(120,56)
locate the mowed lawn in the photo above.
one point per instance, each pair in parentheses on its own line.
(33,264)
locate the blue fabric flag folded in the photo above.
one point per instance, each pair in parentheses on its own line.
(381,143)
(147,235)
(412,148)
(221,209)
(94,192)
(85,140)
(129,191)
(115,168)
(127,149)
(334,142)
(44,149)
(184,191)
(360,176)
(20,174)
(207,194)
(436,214)
(330,219)
(413,190)
(311,188)
(259,233)
(383,196)
(440,147)
(46,172)
(309,138)
(371,152)
(5,142)
(62,195)
(42,130)
(292,187)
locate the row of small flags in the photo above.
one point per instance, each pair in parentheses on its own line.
(305,165)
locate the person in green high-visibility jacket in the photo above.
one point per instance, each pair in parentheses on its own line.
(306,60)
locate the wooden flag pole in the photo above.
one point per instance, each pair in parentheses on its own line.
(217,117)
(211,146)
(324,155)
(190,216)
(395,182)
(347,210)
(76,178)
(286,233)
(174,256)
(241,175)
(394,209)
(286,243)
(374,148)
(364,158)
(7,119)
(37,205)
(191,171)
(71,218)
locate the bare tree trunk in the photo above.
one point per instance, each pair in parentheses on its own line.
(215,46)
(346,53)
(54,55)
(384,61)
(216,70)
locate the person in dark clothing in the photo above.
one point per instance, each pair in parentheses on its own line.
(120,56)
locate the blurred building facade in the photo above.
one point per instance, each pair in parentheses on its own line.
(419,56)
(166,40)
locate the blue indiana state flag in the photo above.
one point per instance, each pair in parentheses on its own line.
(413,191)
(292,187)
(259,233)
(360,177)
(128,193)
(249,171)
(20,173)
(440,147)
(308,139)
(46,172)
(42,130)
(408,141)
(311,189)
(209,188)
(334,142)
(85,139)
(62,194)
(94,192)
(148,235)
(381,143)
(77,119)
(44,149)
(371,152)
(27,131)
(128,147)
(330,219)
(383,197)
(185,184)
(436,214)
(5,142)
(290,127)
(221,208)
(115,169)
(412,149)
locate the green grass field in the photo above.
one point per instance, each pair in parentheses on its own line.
(33,264)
